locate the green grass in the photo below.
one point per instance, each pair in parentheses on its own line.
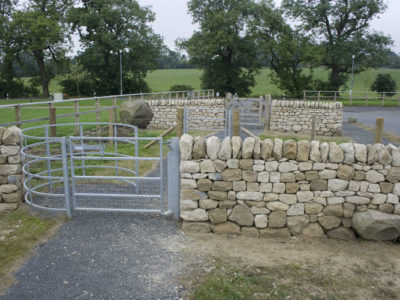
(162,80)
(25,231)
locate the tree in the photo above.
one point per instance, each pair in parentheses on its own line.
(223,47)
(341,26)
(108,29)
(384,83)
(292,55)
(40,30)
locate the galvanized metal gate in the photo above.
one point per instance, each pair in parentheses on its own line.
(92,173)
(252,110)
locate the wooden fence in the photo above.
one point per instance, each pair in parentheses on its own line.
(353,96)
(53,106)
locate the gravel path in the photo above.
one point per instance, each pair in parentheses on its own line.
(368,115)
(105,256)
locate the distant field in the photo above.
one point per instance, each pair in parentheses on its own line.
(162,80)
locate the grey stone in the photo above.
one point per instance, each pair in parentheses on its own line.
(297,224)
(267,147)
(208,203)
(239,186)
(195,215)
(242,215)
(188,183)
(290,149)
(288,198)
(191,194)
(335,200)
(219,165)
(304,196)
(336,154)
(204,184)
(278,145)
(306,166)
(188,166)
(327,174)
(312,175)
(345,172)
(278,188)
(9,170)
(286,167)
(8,188)
(236,146)
(287,177)
(277,205)
(271,166)
(222,186)
(318,185)
(257,148)
(348,151)
(393,175)
(188,204)
(207,166)
(292,187)
(313,230)
(9,150)
(333,210)
(360,152)
(218,195)
(248,147)
(199,147)
(137,113)
(252,196)
(197,227)
(227,228)
(249,175)
(374,177)
(375,225)
(341,233)
(277,219)
(296,209)
(186,147)
(14,159)
(324,148)
(385,208)
(386,187)
(315,153)
(227,204)
(312,208)
(337,185)
(259,210)
(249,232)
(225,151)
(217,215)
(384,157)
(263,176)
(358,200)
(329,222)
(372,154)
(8,207)
(233,163)
(303,150)
(231,175)
(212,144)
(261,221)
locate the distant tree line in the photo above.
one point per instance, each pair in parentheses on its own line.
(236,38)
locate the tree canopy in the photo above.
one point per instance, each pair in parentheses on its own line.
(384,83)
(341,27)
(108,29)
(223,47)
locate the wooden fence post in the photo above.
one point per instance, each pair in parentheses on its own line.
(260,110)
(179,122)
(115,109)
(379,130)
(228,100)
(18,115)
(52,121)
(236,123)
(110,125)
(304,95)
(77,119)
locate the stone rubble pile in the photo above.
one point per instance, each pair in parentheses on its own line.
(10,169)
(276,188)
(296,117)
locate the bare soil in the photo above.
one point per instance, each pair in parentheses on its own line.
(298,267)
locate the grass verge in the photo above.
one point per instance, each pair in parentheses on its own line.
(289,281)
(394,138)
(20,232)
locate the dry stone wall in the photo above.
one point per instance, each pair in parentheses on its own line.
(165,112)
(10,169)
(276,188)
(296,117)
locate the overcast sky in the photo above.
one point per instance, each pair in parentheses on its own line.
(173,21)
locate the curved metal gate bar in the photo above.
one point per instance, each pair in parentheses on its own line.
(89,173)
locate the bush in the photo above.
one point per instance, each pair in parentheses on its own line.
(384,83)
(181,87)
(17,89)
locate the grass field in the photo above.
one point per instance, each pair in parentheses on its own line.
(162,80)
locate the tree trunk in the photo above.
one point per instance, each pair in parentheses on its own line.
(334,79)
(43,73)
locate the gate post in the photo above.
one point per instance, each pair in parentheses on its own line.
(268,112)
(64,152)
(174,178)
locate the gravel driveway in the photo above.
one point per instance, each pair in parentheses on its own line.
(105,256)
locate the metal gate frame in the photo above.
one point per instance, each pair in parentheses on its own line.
(247,115)
(68,157)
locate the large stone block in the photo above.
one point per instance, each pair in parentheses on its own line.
(188,166)
(213,144)
(297,224)
(225,151)
(290,149)
(9,170)
(313,230)
(217,215)
(248,147)
(186,147)
(375,225)
(277,219)
(199,148)
(227,228)
(242,215)
(222,186)
(231,175)
(249,196)
(11,136)
(329,222)
(341,233)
